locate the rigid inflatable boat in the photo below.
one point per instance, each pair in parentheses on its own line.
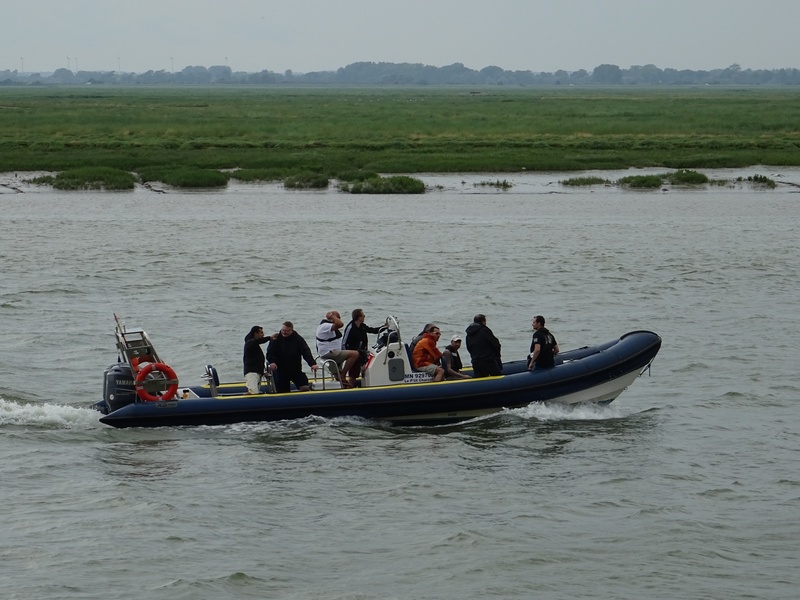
(140,390)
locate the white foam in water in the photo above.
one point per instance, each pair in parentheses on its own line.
(300,423)
(561,412)
(47,415)
(535,411)
(70,417)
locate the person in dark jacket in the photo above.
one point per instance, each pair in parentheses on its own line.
(484,348)
(355,338)
(284,356)
(253,358)
(451,359)
(544,346)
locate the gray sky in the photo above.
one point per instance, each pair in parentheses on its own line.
(323,35)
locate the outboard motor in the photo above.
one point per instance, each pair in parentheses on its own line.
(118,387)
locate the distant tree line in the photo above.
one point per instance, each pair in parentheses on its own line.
(385,73)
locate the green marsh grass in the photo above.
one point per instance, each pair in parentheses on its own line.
(185,176)
(762,180)
(89,178)
(251,175)
(397,184)
(304,181)
(274,132)
(686,177)
(581,181)
(680,177)
(642,182)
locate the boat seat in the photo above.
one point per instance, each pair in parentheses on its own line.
(212,379)
(410,362)
(324,385)
(326,363)
(329,366)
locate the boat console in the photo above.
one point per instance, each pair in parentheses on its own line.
(389,362)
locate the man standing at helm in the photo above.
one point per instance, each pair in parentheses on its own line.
(355,338)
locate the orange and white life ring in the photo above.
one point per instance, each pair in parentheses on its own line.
(168,373)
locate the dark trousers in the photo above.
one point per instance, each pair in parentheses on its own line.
(284,380)
(486,367)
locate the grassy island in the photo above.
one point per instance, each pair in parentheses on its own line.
(202,136)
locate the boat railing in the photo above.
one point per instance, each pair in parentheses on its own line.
(135,348)
(269,380)
(394,325)
(212,379)
(332,369)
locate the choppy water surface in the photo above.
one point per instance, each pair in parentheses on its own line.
(685,487)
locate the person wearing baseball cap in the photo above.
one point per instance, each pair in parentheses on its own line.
(452,360)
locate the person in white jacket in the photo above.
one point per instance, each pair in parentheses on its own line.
(329,345)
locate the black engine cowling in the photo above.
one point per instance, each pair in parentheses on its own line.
(118,387)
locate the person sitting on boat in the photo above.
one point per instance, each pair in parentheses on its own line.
(355,338)
(329,345)
(451,360)
(415,340)
(483,348)
(284,355)
(426,356)
(253,358)
(544,346)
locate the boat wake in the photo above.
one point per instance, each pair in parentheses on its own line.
(59,416)
(46,416)
(563,412)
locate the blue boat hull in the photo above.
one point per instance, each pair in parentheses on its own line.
(591,374)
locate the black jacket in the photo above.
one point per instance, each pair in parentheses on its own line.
(546,342)
(355,336)
(253,356)
(287,352)
(481,343)
(455,358)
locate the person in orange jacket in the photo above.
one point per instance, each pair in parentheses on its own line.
(427,356)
